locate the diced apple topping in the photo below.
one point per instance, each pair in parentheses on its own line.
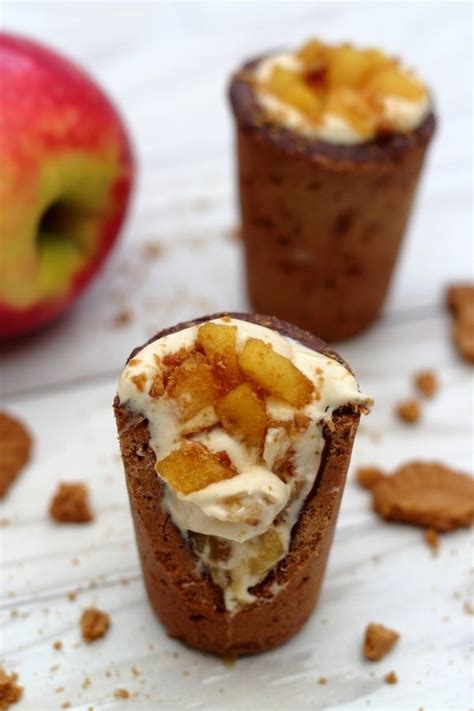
(344,81)
(192,467)
(351,67)
(270,550)
(390,81)
(275,373)
(192,385)
(315,56)
(242,413)
(291,88)
(218,343)
(354,107)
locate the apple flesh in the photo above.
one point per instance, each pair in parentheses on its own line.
(66,171)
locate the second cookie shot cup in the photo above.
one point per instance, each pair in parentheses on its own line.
(330,144)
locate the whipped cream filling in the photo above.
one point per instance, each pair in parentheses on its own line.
(402,114)
(240,527)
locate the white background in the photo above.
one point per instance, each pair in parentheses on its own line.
(166,65)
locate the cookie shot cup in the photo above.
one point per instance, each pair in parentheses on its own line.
(236,433)
(331,141)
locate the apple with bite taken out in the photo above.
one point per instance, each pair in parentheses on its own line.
(66,171)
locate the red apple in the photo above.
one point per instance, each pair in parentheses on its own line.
(66,172)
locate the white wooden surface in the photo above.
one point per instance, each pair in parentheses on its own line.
(166,65)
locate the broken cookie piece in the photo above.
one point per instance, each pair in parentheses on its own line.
(10,692)
(367,477)
(378,641)
(426,494)
(15,450)
(70,504)
(94,624)
(460,299)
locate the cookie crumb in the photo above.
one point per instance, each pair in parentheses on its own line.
(390,678)
(66,705)
(86,682)
(426,494)
(58,645)
(408,411)
(426,382)
(468,608)
(121,694)
(460,299)
(367,477)
(432,539)
(15,450)
(135,671)
(72,595)
(322,680)
(70,504)
(122,318)
(10,692)
(378,641)
(152,250)
(94,624)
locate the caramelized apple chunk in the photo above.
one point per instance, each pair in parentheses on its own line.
(393,82)
(242,413)
(218,343)
(315,56)
(351,67)
(354,108)
(275,373)
(192,385)
(192,467)
(290,88)
(270,549)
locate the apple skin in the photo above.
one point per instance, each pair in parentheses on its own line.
(66,173)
